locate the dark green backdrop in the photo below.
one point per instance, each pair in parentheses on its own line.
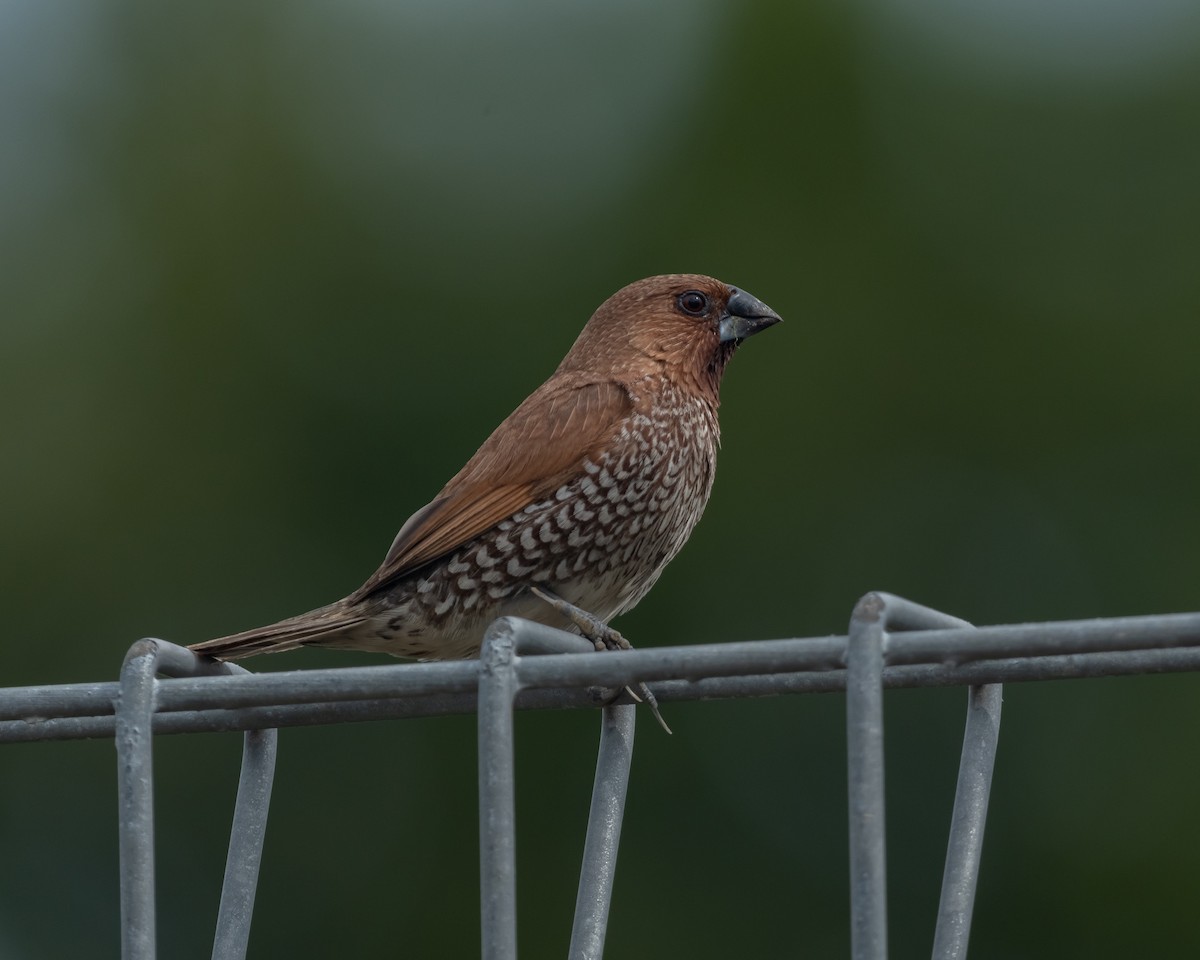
(269,272)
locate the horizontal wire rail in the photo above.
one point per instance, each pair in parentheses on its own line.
(1069,649)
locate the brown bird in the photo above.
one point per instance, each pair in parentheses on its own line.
(571,509)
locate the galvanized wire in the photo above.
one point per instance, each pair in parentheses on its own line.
(964,851)
(134,709)
(892,643)
(1027,652)
(599,867)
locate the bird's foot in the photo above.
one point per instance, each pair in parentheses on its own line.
(589,625)
(604,637)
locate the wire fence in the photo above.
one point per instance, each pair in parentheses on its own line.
(166,689)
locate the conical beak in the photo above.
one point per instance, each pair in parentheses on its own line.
(744,316)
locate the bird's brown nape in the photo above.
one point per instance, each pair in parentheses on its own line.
(587,490)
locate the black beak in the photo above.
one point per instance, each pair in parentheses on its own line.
(745,316)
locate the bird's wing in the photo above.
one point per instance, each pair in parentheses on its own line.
(541,445)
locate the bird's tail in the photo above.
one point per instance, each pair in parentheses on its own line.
(315,627)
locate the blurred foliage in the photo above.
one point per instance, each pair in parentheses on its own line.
(270,272)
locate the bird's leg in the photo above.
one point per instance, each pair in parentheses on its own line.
(591,627)
(604,637)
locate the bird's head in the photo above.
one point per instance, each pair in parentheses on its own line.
(685,326)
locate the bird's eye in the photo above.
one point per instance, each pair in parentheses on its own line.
(693,302)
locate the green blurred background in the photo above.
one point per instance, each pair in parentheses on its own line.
(270,272)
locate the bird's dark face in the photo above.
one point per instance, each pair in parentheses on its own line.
(697,325)
(684,325)
(717,308)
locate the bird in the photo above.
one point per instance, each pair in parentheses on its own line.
(571,509)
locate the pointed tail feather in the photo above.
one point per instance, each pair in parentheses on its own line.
(324,623)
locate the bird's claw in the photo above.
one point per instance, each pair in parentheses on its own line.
(605,638)
(651,702)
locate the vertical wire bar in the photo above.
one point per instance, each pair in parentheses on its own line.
(965,848)
(135,800)
(603,833)
(497,806)
(864,746)
(134,712)
(245,845)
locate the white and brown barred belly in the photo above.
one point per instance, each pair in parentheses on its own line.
(600,542)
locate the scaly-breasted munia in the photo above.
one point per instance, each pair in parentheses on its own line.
(584,493)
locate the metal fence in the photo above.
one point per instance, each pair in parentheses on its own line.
(891,643)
